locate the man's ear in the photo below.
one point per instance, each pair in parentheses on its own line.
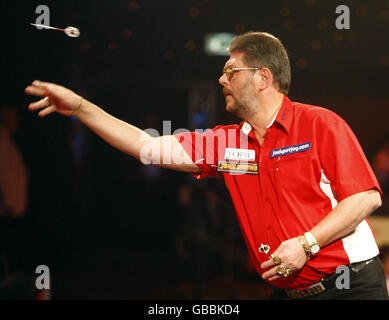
(264,78)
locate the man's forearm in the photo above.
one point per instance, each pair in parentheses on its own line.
(119,134)
(346,216)
(165,151)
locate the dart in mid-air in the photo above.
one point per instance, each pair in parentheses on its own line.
(69,31)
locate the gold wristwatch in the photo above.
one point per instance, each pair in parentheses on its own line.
(314,246)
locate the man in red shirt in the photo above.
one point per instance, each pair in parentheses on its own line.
(299,180)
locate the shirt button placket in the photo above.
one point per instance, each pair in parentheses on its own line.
(278,159)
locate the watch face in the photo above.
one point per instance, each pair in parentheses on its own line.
(315,248)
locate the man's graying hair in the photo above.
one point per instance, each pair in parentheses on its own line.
(264,50)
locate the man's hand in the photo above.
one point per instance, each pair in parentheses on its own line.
(292,256)
(56,99)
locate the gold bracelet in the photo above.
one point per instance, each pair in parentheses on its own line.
(78,107)
(306,250)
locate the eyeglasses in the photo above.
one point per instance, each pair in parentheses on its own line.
(230,71)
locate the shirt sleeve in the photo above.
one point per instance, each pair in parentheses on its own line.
(203,150)
(343,160)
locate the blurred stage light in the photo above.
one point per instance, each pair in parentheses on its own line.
(310,3)
(361,11)
(351,37)
(190,45)
(127,34)
(385,60)
(337,37)
(133,6)
(316,45)
(194,12)
(113,45)
(288,24)
(322,24)
(384,14)
(169,55)
(240,28)
(301,63)
(285,12)
(216,44)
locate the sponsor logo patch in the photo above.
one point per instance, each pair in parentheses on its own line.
(292,149)
(239,154)
(237,167)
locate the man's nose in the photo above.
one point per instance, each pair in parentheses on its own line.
(223,80)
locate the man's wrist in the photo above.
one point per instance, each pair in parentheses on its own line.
(313,245)
(305,246)
(78,107)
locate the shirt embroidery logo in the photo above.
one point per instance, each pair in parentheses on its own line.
(239,154)
(237,167)
(292,149)
(284,114)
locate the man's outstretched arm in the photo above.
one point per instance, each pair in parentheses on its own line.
(119,134)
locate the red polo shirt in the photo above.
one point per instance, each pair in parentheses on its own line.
(309,161)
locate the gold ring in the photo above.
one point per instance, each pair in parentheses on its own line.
(286,273)
(281,270)
(276,260)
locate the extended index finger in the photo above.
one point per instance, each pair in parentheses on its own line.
(38,88)
(35,91)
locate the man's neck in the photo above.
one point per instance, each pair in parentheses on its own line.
(269,107)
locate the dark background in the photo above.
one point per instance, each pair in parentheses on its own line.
(111,228)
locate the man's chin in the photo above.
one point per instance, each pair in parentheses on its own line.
(229,101)
(230,107)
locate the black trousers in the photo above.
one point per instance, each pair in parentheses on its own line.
(366,284)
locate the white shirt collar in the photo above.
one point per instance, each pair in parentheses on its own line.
(246,127)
